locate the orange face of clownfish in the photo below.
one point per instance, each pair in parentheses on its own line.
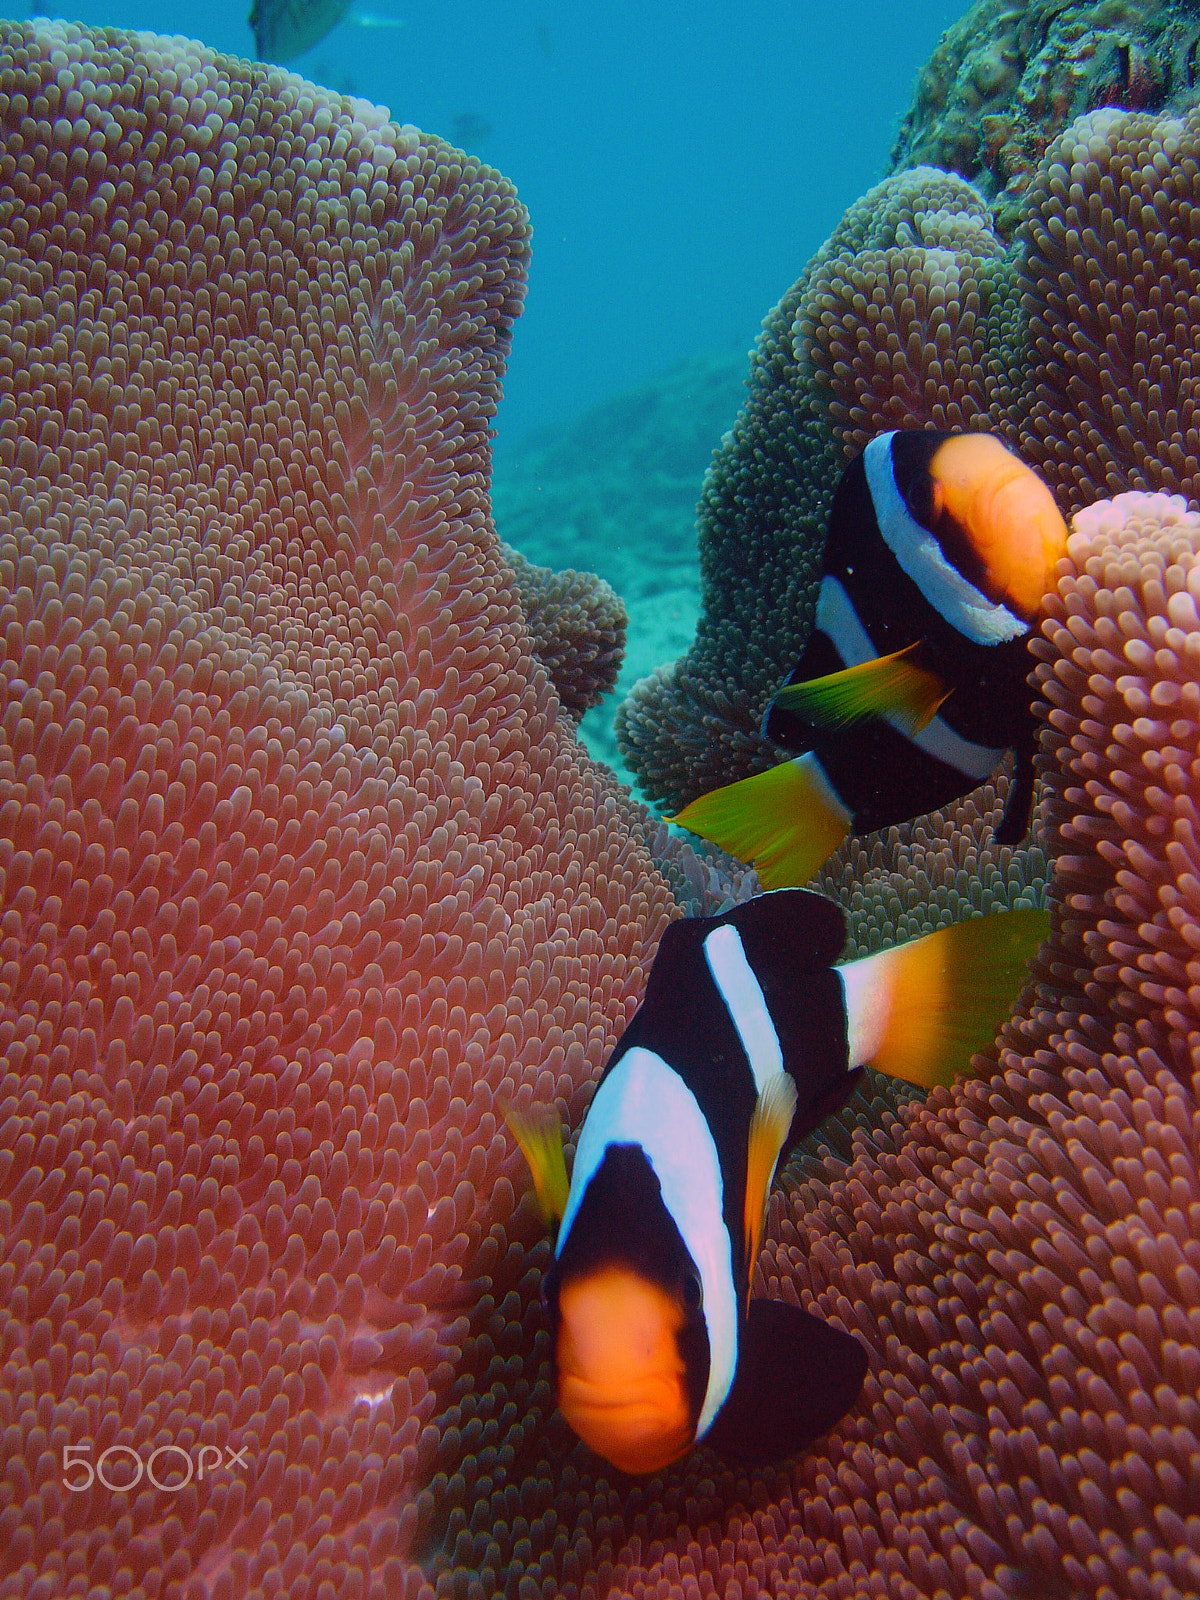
(621,1375)
(1008,515)
(630,1343)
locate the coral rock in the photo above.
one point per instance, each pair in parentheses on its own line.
(1007,78)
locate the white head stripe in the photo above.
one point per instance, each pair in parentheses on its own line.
(745,1002)
(644,1101)
(838,620)
(964,607)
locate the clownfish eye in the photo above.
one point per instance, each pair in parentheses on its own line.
(693,1294)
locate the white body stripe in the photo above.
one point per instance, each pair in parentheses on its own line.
(939,739)
(839,621)
(867,987)
(745,1002)
(918,552)
(644,1101)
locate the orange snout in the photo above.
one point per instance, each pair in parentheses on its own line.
(620,1374)
(1009,516)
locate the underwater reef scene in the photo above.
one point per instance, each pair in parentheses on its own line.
(1075,345)
(305,875)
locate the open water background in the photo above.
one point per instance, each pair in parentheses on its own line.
(681,162)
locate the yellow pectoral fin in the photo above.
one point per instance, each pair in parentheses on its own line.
(787,821)
(889,686)
(540,1139)
(769,1127)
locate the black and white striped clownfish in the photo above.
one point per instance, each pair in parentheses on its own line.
(747,1038)
(914,682)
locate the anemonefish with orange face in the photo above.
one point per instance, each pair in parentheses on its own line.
(747,1038)
(914,682)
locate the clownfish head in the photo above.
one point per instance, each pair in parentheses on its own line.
(630,1342)
(1006,514)
(622,1378)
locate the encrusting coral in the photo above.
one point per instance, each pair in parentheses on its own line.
(1009,75)
(302,868)
(577,623)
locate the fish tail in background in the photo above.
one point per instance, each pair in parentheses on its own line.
(787,821)
(286,28)
(921,1010)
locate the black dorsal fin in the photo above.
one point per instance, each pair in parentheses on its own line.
(790,927)
(794,929)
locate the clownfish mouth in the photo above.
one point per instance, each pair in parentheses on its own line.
(634,1434)
(621,1378)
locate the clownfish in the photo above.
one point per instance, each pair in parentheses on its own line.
(747,1038)
(913,684)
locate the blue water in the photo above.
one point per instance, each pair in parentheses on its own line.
(680,162)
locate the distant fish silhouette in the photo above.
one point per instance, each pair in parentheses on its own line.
(469,130)
(287,28)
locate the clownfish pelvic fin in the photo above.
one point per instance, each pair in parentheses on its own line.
(540,1139)
(770,1124)
(892,686)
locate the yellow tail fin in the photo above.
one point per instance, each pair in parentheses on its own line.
(887,686)
(787,821)
(540,1139)
(921,1010)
